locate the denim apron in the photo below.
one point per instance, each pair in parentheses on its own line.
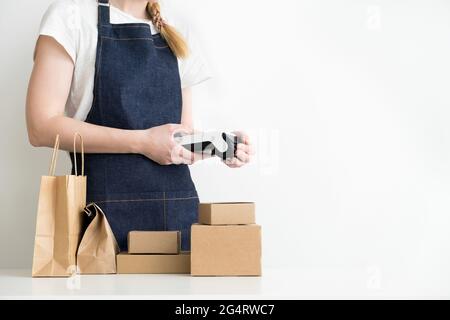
(137,86)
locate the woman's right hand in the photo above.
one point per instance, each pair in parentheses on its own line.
(158,144)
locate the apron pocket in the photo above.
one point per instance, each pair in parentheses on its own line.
(180,213)
(125,216)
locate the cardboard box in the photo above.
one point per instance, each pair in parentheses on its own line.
(153,263)
(226,250)
(161,242)
(226,213)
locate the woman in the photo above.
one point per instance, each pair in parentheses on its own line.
(120,75)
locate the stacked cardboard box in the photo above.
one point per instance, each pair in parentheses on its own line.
(226,242)
(153,252)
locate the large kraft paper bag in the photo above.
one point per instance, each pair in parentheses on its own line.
(59,220)
(98,248)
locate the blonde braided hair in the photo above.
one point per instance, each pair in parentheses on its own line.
(173,38)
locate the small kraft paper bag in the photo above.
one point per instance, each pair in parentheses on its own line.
(98,248)
(59,219)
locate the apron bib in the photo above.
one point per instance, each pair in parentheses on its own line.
(137,86)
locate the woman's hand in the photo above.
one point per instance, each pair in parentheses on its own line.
(158,144)
(244,152)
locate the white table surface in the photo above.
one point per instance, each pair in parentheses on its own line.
(308,283)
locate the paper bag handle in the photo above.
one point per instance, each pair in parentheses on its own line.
(75,153)
(52,169)
(88,211)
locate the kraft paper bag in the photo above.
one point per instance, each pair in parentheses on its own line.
(98,248)
(59,219)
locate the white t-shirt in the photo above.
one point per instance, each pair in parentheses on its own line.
(73,24)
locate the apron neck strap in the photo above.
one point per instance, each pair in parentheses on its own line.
(103,12)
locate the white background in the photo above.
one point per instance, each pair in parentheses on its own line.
(348,104)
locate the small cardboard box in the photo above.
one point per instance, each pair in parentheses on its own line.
(161,242)
(233,250)
(153,263)
(231,213)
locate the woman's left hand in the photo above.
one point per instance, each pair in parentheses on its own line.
(244,152)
